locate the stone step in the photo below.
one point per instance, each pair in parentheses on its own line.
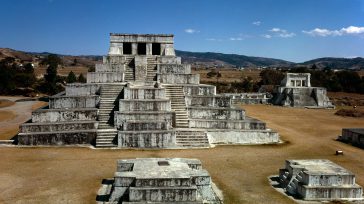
(107,100)
(193,144)
(186,137)
(106,145)
(105,127)
(182,124)
(6,142)
(104,109)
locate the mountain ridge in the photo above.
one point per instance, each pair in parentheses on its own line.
(208,59)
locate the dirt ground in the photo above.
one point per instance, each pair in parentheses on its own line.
(14,114)
(229,75)
(73,175)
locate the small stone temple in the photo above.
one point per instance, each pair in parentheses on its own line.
(319,180)
(296,91)
(142,96)
(354,136)
(159,180)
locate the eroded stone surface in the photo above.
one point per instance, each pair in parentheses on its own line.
(319,180)
(162,180)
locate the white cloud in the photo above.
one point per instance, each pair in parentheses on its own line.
(267,36)
(287,35)
(236,39)
(211,39)
(353,30)
(191,31)
(322,32)
(277,32)
(257,23)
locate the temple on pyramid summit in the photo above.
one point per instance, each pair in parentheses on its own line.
(142,96)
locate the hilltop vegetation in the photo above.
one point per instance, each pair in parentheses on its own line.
(337,63)
(197,59)
(230,59)
(33,71)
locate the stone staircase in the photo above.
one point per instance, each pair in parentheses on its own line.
(178,105)
(293,183)
(191,138)
(109,99)
(151,68)
(129,69)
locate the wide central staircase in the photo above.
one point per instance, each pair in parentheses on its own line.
(185,137)
(178,105)
(109,98)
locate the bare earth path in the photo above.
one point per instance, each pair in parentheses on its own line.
(22,111)
(73,175)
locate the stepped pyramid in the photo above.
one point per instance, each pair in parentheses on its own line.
(142,96)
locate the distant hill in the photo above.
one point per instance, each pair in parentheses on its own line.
(36,57)
(20,55)
(197,59)
(230,59)
(337,63)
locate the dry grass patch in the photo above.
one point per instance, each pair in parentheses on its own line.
(6,103)
(9,132)
(39,104)
(73,175)
(6,115)
(228,75)
(357,113)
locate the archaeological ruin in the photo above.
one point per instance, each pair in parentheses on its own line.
(354,136)
(319,180)
(159,180)
(142,96)
(296,91)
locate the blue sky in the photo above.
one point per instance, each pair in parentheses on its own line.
(295,30)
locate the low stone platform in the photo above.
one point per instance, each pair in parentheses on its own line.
(354,136)
(318,180)
(159,180)
(296,91)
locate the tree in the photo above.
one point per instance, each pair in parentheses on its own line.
(314,67)
(81,78)
(28,68)
(271,77)
(218,75)
(74,62)
(7,75)
(71,78)
(51,76)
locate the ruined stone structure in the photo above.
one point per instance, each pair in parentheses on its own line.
(355,136)
(141,96)
(249,98)
(296,91)
(319,180)
(159,180)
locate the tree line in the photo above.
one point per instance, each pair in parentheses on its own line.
(18,79)
(335,81)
